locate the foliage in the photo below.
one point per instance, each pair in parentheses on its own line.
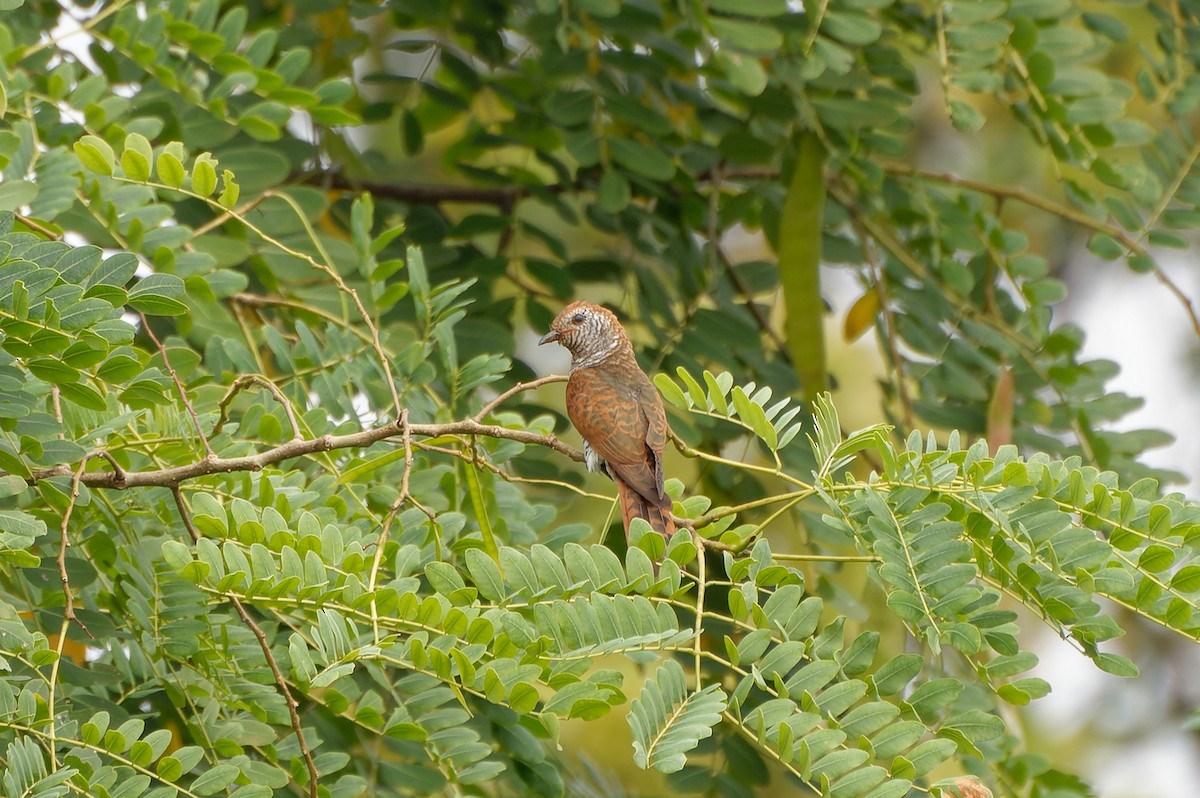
(283,513)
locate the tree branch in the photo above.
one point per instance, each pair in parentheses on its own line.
(214,464)
(1063,211)
(504,197)
(239,385)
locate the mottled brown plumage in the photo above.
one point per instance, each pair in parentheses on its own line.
(617,410)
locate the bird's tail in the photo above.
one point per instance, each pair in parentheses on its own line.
(635,505)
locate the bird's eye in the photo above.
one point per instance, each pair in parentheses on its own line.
(577,318)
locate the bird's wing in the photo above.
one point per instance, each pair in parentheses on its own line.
(651,406)
(612,418)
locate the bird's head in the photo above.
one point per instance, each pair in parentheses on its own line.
(589,332)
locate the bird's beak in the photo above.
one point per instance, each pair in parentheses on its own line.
(548,337)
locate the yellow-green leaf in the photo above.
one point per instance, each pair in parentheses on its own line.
(135,165)
(231,190)
(95,155)
(670,391)
(170,170)
(204,177)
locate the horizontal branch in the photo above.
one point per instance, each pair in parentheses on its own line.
(428,193)
(504,197)
(213,464)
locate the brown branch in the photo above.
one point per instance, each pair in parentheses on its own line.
(520,387)
(171,477)
(37,227)
(1188,306)
(56,402)
(743,289)
(429,193)
(290,700)
(178,384)
(239,385)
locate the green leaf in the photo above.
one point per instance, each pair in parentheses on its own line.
(670,391)
(853,29)
(668,721)
(215,779)
(15,193)
(158,294)
(750,8)
(16,522)
(649,162)
(170,170)
(95,154)
(1105,246)
(137,157)
(444,578)
(230,190)
(1117,665)
(748,37)
(204,177)
(613,193)
(485,574)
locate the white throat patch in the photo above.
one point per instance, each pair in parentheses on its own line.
(596,358)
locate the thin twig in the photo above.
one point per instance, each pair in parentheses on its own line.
(118,471)
(36,227)
(513,391)
(222,218)
(290,700)
(65,543)
(698,628)
(431,194)
(722,512)
(1063,211)
(1188,306)
(256,301)
(178,384)
(763,322)
(889,322)
(827,557)
(329,269)
(406,436)
(56,402)
(239,385)
(507,477)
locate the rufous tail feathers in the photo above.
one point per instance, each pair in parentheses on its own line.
(635,505)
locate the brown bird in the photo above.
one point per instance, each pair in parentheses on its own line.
(617,410)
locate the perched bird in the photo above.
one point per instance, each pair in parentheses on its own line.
(617,410)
